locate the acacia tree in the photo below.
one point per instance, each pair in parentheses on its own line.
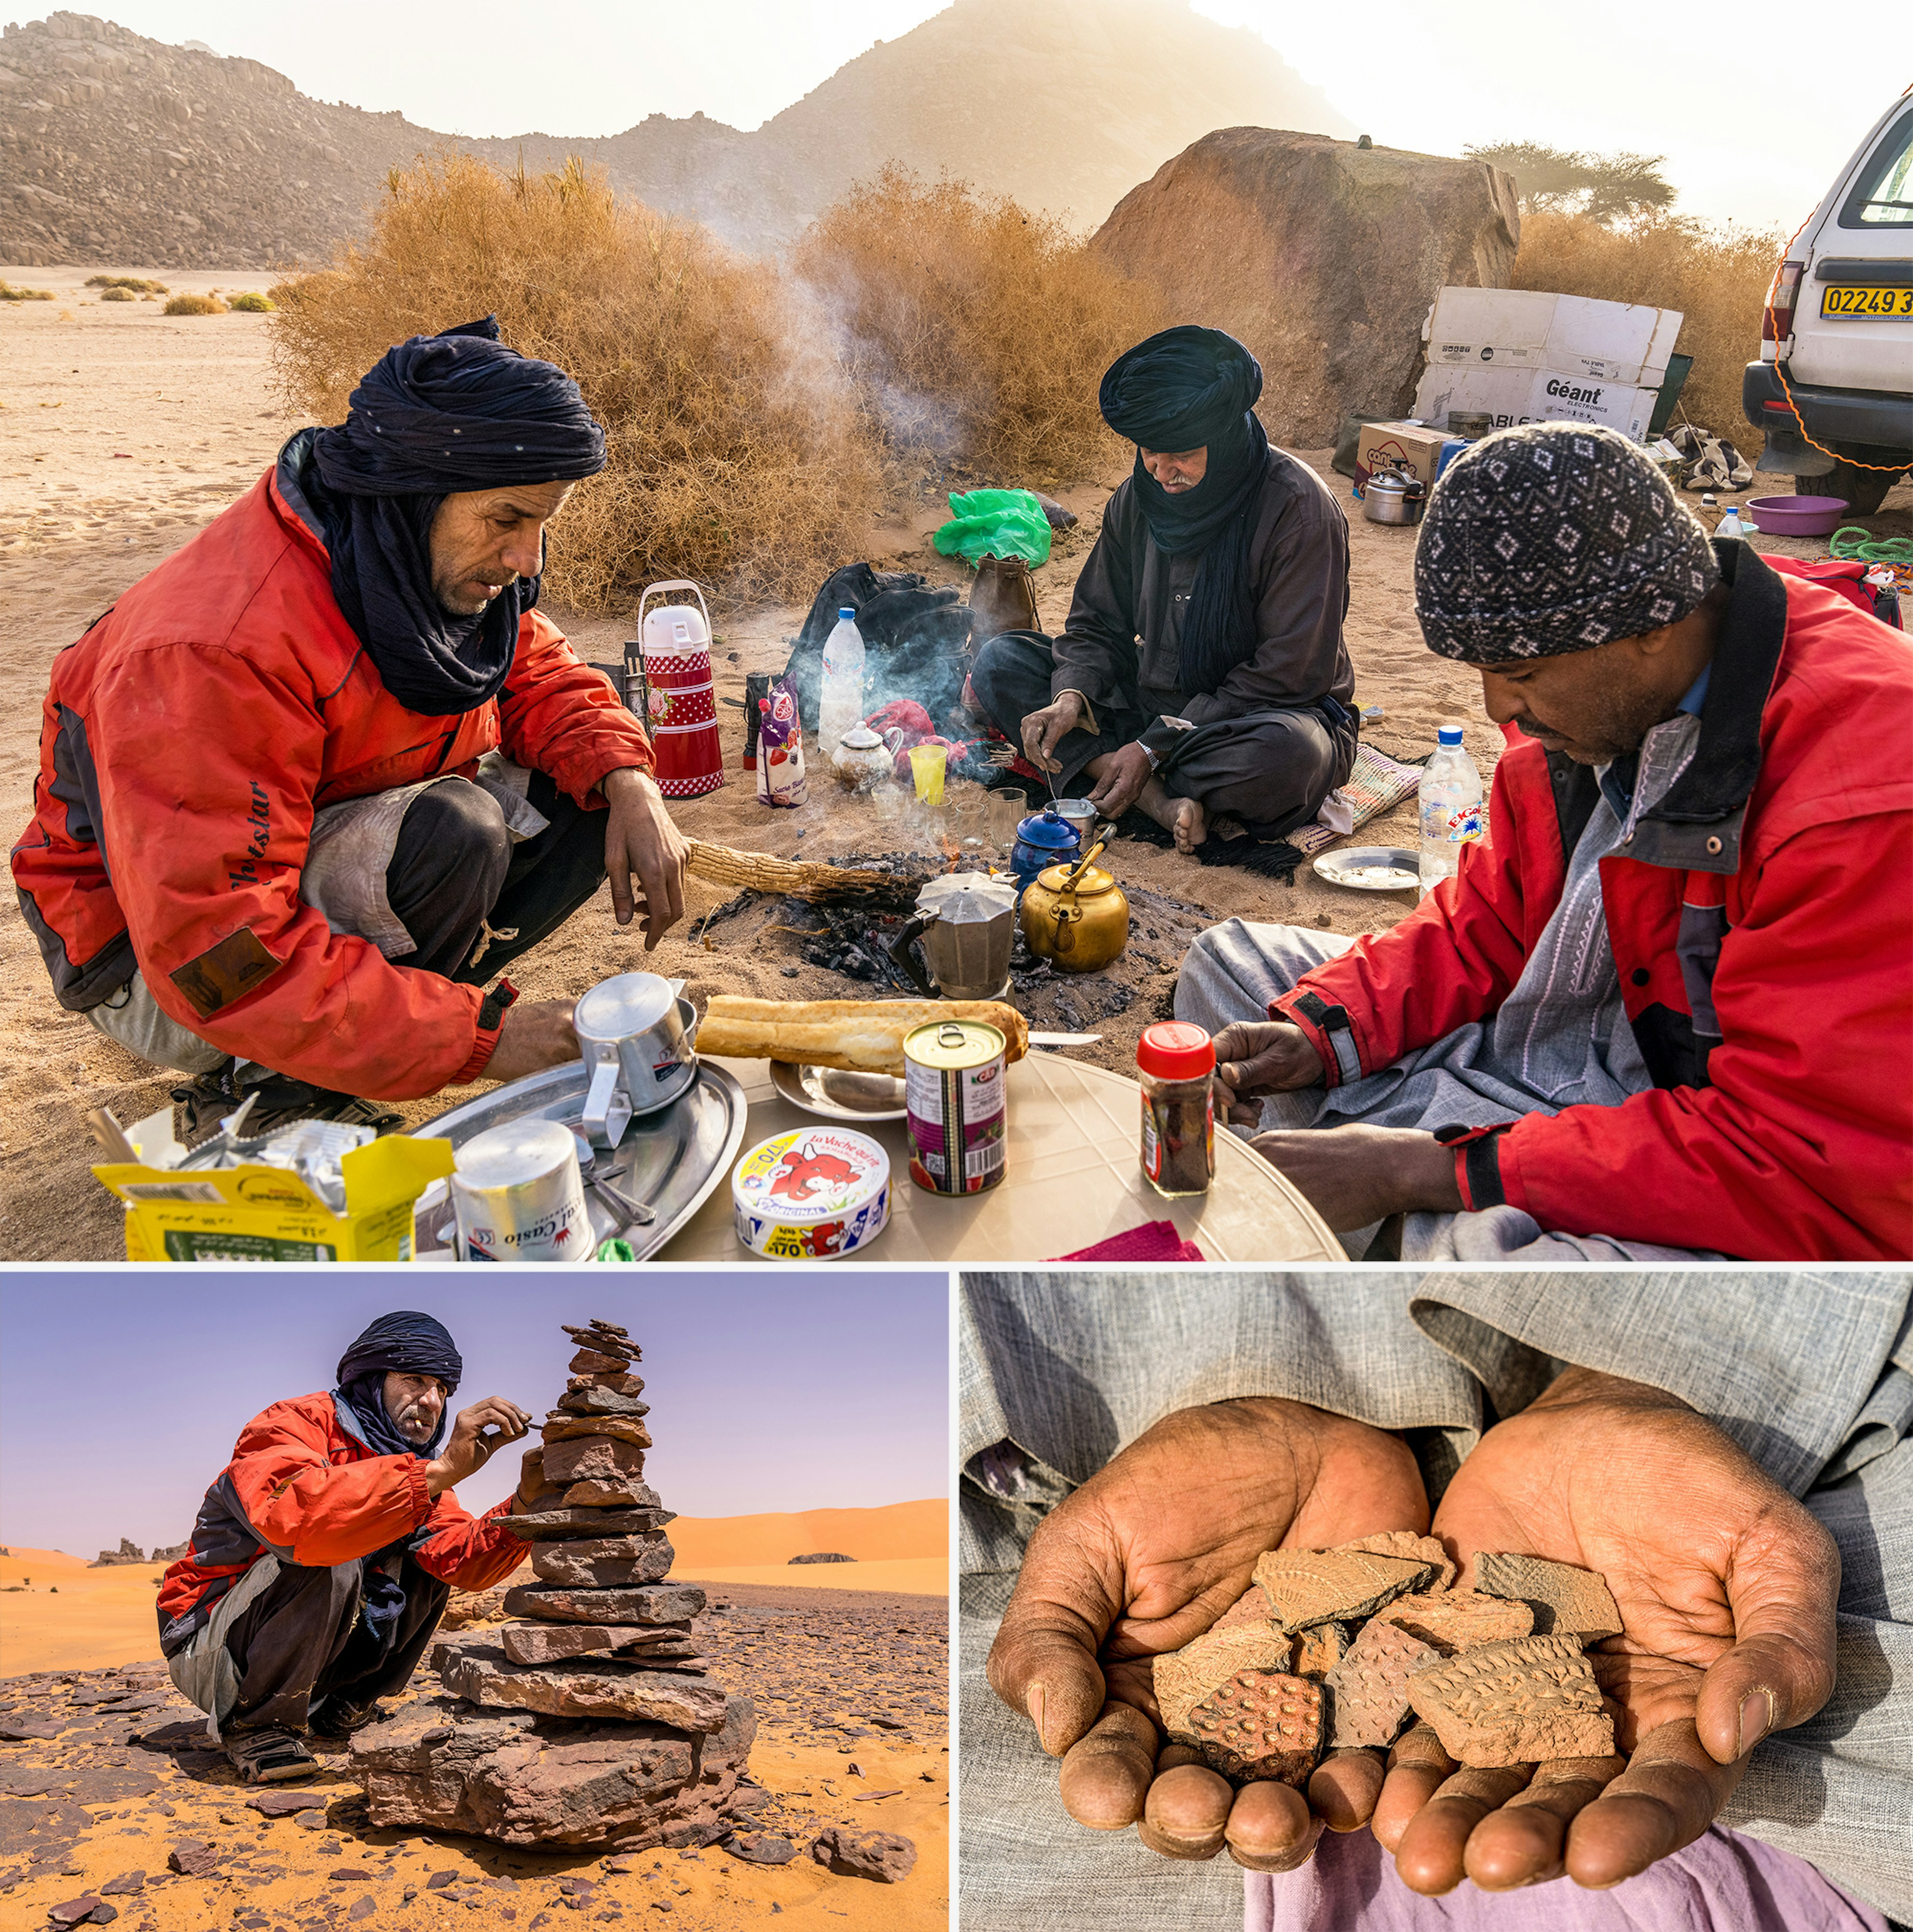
(1611,189)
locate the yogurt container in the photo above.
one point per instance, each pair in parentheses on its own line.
(811,1193)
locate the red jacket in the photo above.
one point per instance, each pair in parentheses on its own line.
(1762,925)
(187,739)
(300,1488)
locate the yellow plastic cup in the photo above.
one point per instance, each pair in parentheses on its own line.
(928,766)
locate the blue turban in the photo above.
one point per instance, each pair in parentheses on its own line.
(437,415)
(406,1343)
(1190,388)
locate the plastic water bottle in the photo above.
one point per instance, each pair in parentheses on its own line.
(842,707)
(1450,807)
(1730,525)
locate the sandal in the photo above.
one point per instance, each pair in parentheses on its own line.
(270,1757)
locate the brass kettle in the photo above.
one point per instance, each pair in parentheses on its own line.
(1076,917)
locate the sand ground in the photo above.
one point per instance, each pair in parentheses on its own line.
(123,431)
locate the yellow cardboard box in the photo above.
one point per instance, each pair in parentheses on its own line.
(261,1213)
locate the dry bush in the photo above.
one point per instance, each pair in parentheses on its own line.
(118,295)
(973,329)
(9,293)
(724,465)
(195,305)
(1717,277)
(251,303)
(132,283)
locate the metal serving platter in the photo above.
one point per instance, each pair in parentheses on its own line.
(1371,869)
(676,1156)
(838,1095)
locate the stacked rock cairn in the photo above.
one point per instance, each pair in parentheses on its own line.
(593,1721)
(1334,1648)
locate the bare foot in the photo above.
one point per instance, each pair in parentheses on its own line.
(1183,816)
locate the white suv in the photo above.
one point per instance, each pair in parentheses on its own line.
(1839,325)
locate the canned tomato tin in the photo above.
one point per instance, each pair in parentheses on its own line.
(811,1194)
(953,1097)
(519,1196)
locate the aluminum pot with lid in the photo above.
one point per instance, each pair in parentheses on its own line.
(1389,498)
(639,1039)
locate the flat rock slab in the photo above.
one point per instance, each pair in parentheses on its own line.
(569,1525)
(284,1804)
(1184,1678)
(1313,1586)
(1522,1702)
(1416,1549)
(1566,1601)
(1260,1725)
(77,1911)
(594,1492)
(593,1398)
(761,1848)
(588,1687)
(1458,1620)
(571,1563)
(1368,1690)
(193,1859)
(885,1856)
(560,1427)
(568,1458)
(552,1643)
(651,1603)
(617,1384)
(592,1362)
(22,1730)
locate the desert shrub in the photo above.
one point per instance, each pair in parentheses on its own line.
(118,295)
(1607,188)
(132,283)
(1717,277)
(251,303)
(195,305)
(9,293)
(972,328)
(729,462)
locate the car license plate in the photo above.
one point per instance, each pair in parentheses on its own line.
(1868,304)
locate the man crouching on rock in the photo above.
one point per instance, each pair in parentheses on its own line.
(323,1555)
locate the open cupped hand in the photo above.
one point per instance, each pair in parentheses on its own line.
(1142,1559)
(1726,1588)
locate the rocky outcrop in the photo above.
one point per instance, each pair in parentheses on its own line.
(1322,257)
(114,148)
(823,1556)
(128,1552)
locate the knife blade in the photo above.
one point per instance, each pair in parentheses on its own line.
(1064,1038)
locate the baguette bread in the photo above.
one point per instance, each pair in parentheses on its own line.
(857,1036)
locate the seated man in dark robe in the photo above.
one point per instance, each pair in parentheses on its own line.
(325,1552)
(1226,560)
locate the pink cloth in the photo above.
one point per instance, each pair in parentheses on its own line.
(1153,1241)
(1724,1882)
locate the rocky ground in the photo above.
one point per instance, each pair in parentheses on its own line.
(109,1791)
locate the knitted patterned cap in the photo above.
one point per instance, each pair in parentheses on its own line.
(1554,537)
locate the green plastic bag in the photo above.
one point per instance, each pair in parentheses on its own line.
(995,522)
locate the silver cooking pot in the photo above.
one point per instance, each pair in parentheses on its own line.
(639,1038)
(1391,498)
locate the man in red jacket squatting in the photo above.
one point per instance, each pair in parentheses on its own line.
(1666,1008)
(313,781)
(323,1555)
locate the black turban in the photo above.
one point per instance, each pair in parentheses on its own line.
(406,1343)
(1189,388)
(437,415)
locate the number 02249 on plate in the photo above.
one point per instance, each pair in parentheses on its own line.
(1869,305)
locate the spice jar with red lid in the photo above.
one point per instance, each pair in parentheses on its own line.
(1175,1067)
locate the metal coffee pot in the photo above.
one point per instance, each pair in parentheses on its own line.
(1043,839)
(639,1038)
(1076,917)
(967,923)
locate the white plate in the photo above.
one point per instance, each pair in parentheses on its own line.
(1371,869)
(836,1095)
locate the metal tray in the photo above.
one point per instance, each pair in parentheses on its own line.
(678,1155)
(839,1096)
(1339,867)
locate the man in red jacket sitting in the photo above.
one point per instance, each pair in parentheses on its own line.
(323,1555)
(1667,1005)
(313,782)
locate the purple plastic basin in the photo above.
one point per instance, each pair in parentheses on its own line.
(1797,516)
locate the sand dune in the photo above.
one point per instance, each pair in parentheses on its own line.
(918,1529)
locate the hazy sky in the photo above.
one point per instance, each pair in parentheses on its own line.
(121,1395)
(1717,91)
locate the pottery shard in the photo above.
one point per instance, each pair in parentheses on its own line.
(1457,1620)
(1406,1543)
(636,1560)
(888,1857)
(590,1687)
(567,1525)
(550,1643)
(1183,1678)
(652,1603)
(1260,1725)
(1368,1690)
(1318,1649)
(615,1383)
(601,1401)
(1252,1606)
(524,1779)
(560,1427)
(1567,1601)
(1312,1586)
(593,1493)
(572,1459)
(1530,1699)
